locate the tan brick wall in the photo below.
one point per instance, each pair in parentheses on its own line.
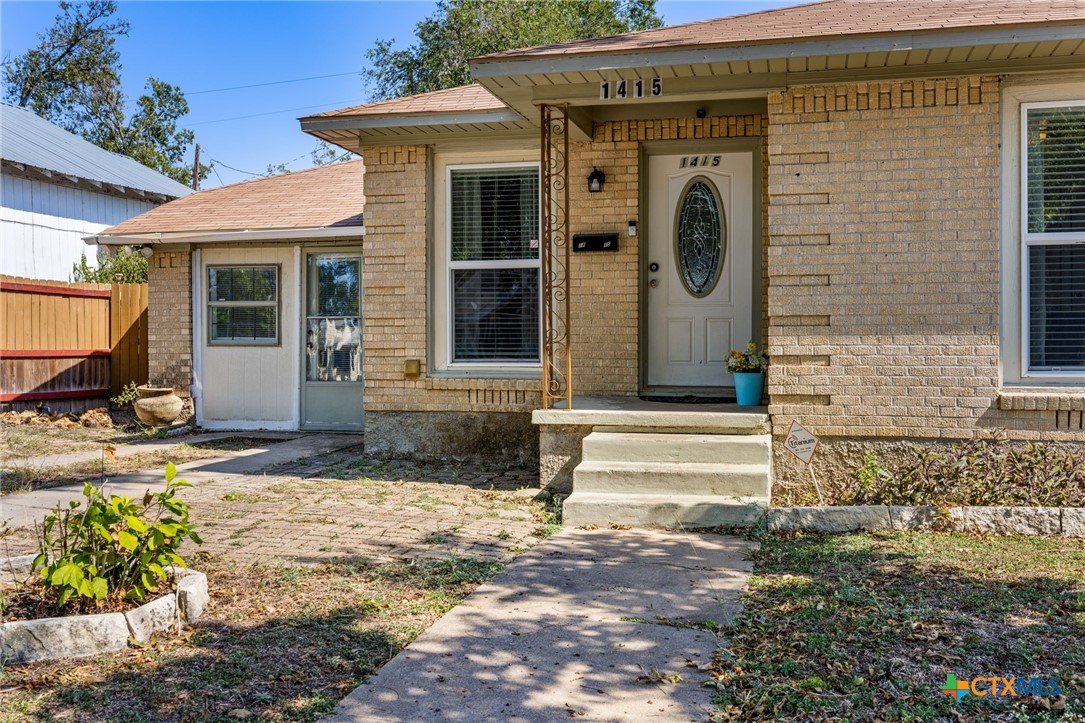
(884,261)
(169,320)
(604,288)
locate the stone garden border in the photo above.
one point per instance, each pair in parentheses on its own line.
(24,641)
(1065,521)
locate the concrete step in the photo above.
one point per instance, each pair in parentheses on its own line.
(672,478)
(666,511)
(685,448)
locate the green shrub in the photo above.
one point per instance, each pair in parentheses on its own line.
(113,548)
(127,395)
(976,472)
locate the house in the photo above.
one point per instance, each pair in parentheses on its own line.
(274,265)
(56,188)
(887,195)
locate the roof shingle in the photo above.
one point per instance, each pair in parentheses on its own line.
(327,196)
(463,99)
(818,20)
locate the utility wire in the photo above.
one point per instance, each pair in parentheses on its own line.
(274,82)
(272,112)
(247,173)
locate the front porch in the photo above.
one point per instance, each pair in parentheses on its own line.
(624,460)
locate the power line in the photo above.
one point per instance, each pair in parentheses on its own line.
(247,173)
(271,112)
(274,82)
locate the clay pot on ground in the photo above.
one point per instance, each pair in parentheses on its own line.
(157,406)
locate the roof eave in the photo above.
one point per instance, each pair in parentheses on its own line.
(224,236)
(48,175)
(490,67)
(362,122)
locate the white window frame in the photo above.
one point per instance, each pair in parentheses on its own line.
(447,267)
(1029,239)
(211,305)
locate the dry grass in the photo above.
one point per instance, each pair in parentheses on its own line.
(277,643)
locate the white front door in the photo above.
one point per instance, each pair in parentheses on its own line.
(700,266)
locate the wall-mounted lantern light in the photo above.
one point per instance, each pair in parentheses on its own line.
(596,179)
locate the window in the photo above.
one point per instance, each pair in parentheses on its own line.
(243,304)
(493,266)
(1053,238)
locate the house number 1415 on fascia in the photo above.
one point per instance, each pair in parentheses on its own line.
(639,88)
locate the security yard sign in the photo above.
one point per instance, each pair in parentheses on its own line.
(801,442)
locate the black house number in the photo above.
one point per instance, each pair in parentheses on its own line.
(699,161)
(622,89)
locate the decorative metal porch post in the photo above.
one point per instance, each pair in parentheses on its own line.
(557,365)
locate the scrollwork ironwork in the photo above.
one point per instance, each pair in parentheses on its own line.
(555,248)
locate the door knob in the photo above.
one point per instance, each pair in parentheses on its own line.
(653,267)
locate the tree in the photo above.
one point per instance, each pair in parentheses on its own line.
(325,154)
(126,262)
(72,79)
(463,29)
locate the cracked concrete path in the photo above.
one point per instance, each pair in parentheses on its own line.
(597,625)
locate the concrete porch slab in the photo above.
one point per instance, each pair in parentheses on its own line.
(625,413)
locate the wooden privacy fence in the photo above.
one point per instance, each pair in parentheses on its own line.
(70,345)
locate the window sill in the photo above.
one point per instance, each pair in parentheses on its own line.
(1049,399)
(484,380)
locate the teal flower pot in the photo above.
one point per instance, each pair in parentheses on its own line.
(749,386)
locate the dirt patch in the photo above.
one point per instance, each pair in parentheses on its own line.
(276,643)
(94,418)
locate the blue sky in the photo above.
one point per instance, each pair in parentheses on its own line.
(208,46)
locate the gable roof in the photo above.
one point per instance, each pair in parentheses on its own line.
(469,98)
(828,18)
(318,198)
(28,140)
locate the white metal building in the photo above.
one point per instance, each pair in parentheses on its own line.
(56,188)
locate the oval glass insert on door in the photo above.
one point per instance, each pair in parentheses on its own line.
(700,236)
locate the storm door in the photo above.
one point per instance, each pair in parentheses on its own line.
(331,396)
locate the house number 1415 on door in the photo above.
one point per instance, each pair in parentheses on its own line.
(639,88)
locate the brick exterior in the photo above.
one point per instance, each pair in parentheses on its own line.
(883,261)
(169,320)
(604,287)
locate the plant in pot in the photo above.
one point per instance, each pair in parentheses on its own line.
(748,367)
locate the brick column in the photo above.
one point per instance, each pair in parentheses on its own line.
(169,320)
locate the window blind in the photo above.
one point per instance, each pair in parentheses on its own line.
(1056,280)
(494,214)
(243,304)
(1055,146)
(494,265)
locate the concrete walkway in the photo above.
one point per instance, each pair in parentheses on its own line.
(23,509)
(597,625)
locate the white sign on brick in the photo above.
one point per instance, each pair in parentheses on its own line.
(801,442)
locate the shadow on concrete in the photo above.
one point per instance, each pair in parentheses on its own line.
(604,625)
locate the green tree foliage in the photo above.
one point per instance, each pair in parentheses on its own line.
(72,78)
(325,154)
(463,29)
(126,261)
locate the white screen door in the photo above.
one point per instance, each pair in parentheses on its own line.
(332,342)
